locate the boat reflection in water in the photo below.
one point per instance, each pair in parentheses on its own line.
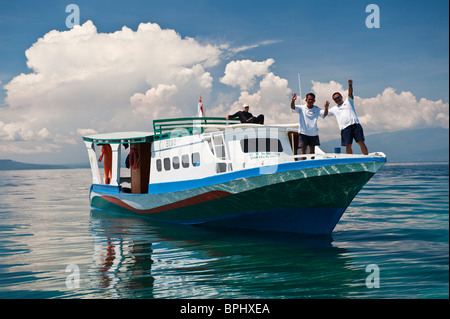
(138,258)
(122,262)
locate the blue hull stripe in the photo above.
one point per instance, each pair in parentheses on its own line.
(160,188)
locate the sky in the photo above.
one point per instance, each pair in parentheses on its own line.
(130,62)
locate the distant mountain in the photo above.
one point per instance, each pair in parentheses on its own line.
(420,145)
(6,164)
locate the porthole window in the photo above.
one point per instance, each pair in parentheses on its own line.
(195,159)
(176,162)
(158,165)
(185,161)
(167,164)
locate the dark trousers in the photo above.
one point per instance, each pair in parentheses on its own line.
(258,120)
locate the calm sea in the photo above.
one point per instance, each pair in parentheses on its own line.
(393,242)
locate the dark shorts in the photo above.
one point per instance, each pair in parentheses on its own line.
(306,140)
(351,132)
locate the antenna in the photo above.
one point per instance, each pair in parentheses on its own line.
(299,86)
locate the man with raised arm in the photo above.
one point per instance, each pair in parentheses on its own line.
(347,120)
(308,129)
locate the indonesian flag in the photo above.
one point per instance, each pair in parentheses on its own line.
(200,108)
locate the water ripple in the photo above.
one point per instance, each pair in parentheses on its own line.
(399,222)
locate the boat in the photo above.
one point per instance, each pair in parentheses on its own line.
(215,172)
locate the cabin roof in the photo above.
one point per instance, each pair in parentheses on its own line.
(120,137)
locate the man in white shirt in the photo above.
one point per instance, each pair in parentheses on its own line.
(308,114)
(348,122)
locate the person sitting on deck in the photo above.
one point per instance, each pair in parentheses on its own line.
(246,117)
(107,165)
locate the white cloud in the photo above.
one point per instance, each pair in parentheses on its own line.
(270,98)
(155,101)
(324,91)
(274,99)
(252,46)
(28,149)
(391,111)
(387,112)
(44,133)
(86,131)
(243,73)
(109,81)
(15,131)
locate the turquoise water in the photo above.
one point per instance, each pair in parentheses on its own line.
(391,243)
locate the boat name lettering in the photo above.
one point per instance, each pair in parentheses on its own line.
(262,155)
(171,142)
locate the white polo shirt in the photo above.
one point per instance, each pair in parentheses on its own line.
(345,114)
(308,119)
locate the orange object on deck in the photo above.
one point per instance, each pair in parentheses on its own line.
(107,165)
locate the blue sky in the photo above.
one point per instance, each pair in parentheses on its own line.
(323,40)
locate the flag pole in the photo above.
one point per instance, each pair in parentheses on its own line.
(299,86)
(201,113)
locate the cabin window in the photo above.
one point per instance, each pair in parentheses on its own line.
(210,146)
(176,162)
(158,165)
(219,146)
(167,164)
(221,167)
(195,159)
(251,145)
(185,161)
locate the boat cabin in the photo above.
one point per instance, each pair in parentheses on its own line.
(184,149)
